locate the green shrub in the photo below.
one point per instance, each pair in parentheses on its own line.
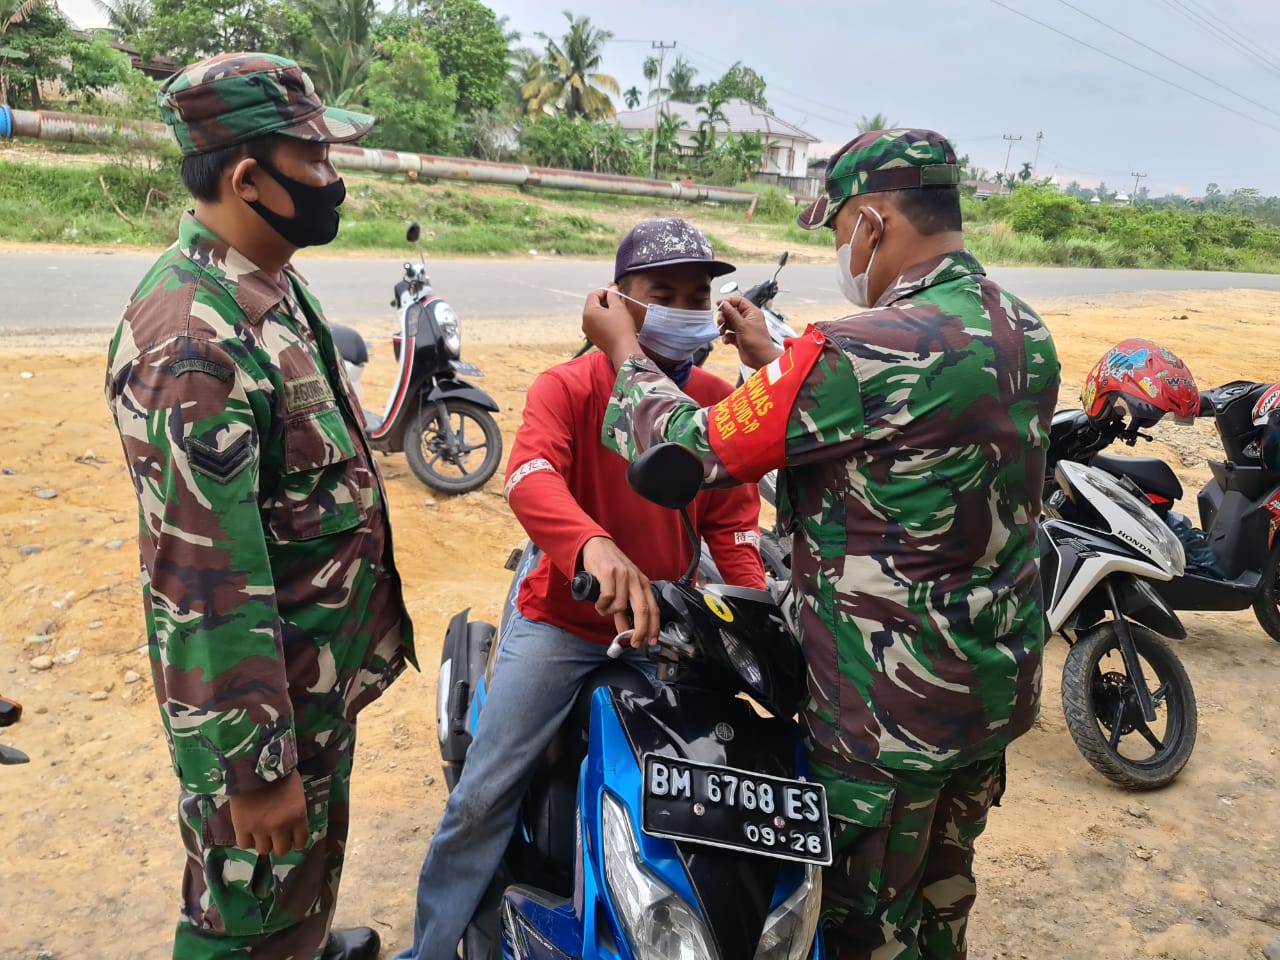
(1043,211)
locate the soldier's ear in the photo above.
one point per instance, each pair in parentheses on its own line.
(241,179)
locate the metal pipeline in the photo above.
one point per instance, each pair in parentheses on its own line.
(76,128)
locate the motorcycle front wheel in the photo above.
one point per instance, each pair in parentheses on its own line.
(457,464)
(1101,706)
(1266,607)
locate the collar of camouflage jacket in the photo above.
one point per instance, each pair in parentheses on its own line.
(929,273)
(257,292)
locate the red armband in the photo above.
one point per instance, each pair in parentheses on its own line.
(748,428)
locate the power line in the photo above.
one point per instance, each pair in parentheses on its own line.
(1239,34)
(1223,35)
(804,103)
(1132,66)
(1162,56)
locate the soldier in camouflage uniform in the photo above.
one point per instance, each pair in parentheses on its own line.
(273,606)
(913,436)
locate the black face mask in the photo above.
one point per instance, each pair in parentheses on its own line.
(315,210)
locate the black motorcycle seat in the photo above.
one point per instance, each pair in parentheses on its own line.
(1149,473)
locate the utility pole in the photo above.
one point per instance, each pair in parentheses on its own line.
(1036,162)
(1134,198)
(662,49)
(1008,155)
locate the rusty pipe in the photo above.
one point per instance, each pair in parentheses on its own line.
(77,128)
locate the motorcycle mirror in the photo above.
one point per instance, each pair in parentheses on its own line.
(666,474)
(730,287)
(782,262)
(414,231)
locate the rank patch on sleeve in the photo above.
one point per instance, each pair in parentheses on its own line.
(224,454)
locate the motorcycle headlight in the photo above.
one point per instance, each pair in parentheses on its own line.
(744,661)
(658,924)
(789,930)
(1137,510)
(450,328)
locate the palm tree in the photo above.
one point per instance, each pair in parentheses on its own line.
(680,84)
(711,113)
(567,76)
(650,72)
(877,121)
(127,18)
(667,136)
(339,52)
(12,14)
(631,96)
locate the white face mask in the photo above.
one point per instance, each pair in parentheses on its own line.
(855,288)
(673,333)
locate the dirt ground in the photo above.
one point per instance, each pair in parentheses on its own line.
(1070,867)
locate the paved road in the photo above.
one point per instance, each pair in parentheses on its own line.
(72,291)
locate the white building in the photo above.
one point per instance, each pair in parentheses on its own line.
(787,152)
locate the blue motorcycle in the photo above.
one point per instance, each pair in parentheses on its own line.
(667,823)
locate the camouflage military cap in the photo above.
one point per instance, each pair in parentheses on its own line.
(882,160)
(238,97)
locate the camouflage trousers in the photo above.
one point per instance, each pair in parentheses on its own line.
(901,884)
(239,904)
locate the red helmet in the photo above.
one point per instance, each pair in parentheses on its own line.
(1147,379)
(1267,404)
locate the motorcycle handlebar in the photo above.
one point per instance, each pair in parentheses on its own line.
(585,587)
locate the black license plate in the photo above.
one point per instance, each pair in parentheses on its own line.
(467,369)
(735,809)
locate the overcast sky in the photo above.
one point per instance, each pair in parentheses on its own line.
(977,71)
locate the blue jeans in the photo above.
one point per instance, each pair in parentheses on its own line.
(540,669)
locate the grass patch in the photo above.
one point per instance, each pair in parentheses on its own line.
(67,203)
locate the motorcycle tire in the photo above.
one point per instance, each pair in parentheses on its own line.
(1266,606)
(428,464)
(1088,693)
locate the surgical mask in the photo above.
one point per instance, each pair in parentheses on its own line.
(673,333)
(315,210)
(855,288)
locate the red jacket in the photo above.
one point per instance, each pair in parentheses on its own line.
(565,488)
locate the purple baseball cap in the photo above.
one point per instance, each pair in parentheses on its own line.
(665,243)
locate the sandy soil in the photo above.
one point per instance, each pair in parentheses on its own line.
(1070,868)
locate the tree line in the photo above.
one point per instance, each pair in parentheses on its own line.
(442,76)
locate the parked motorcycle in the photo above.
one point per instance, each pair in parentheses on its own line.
(443,423)
(1105,556)
(1102,549)
(1234,556)
(675,822)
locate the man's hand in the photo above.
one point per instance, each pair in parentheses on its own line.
(743,325)
(622,585)
(272,819)
(608,324)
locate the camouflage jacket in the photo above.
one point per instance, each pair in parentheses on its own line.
(914,437)
(273,606)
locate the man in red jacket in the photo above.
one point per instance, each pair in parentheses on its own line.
(572,498)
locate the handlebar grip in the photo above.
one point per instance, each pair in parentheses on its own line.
(585,587)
